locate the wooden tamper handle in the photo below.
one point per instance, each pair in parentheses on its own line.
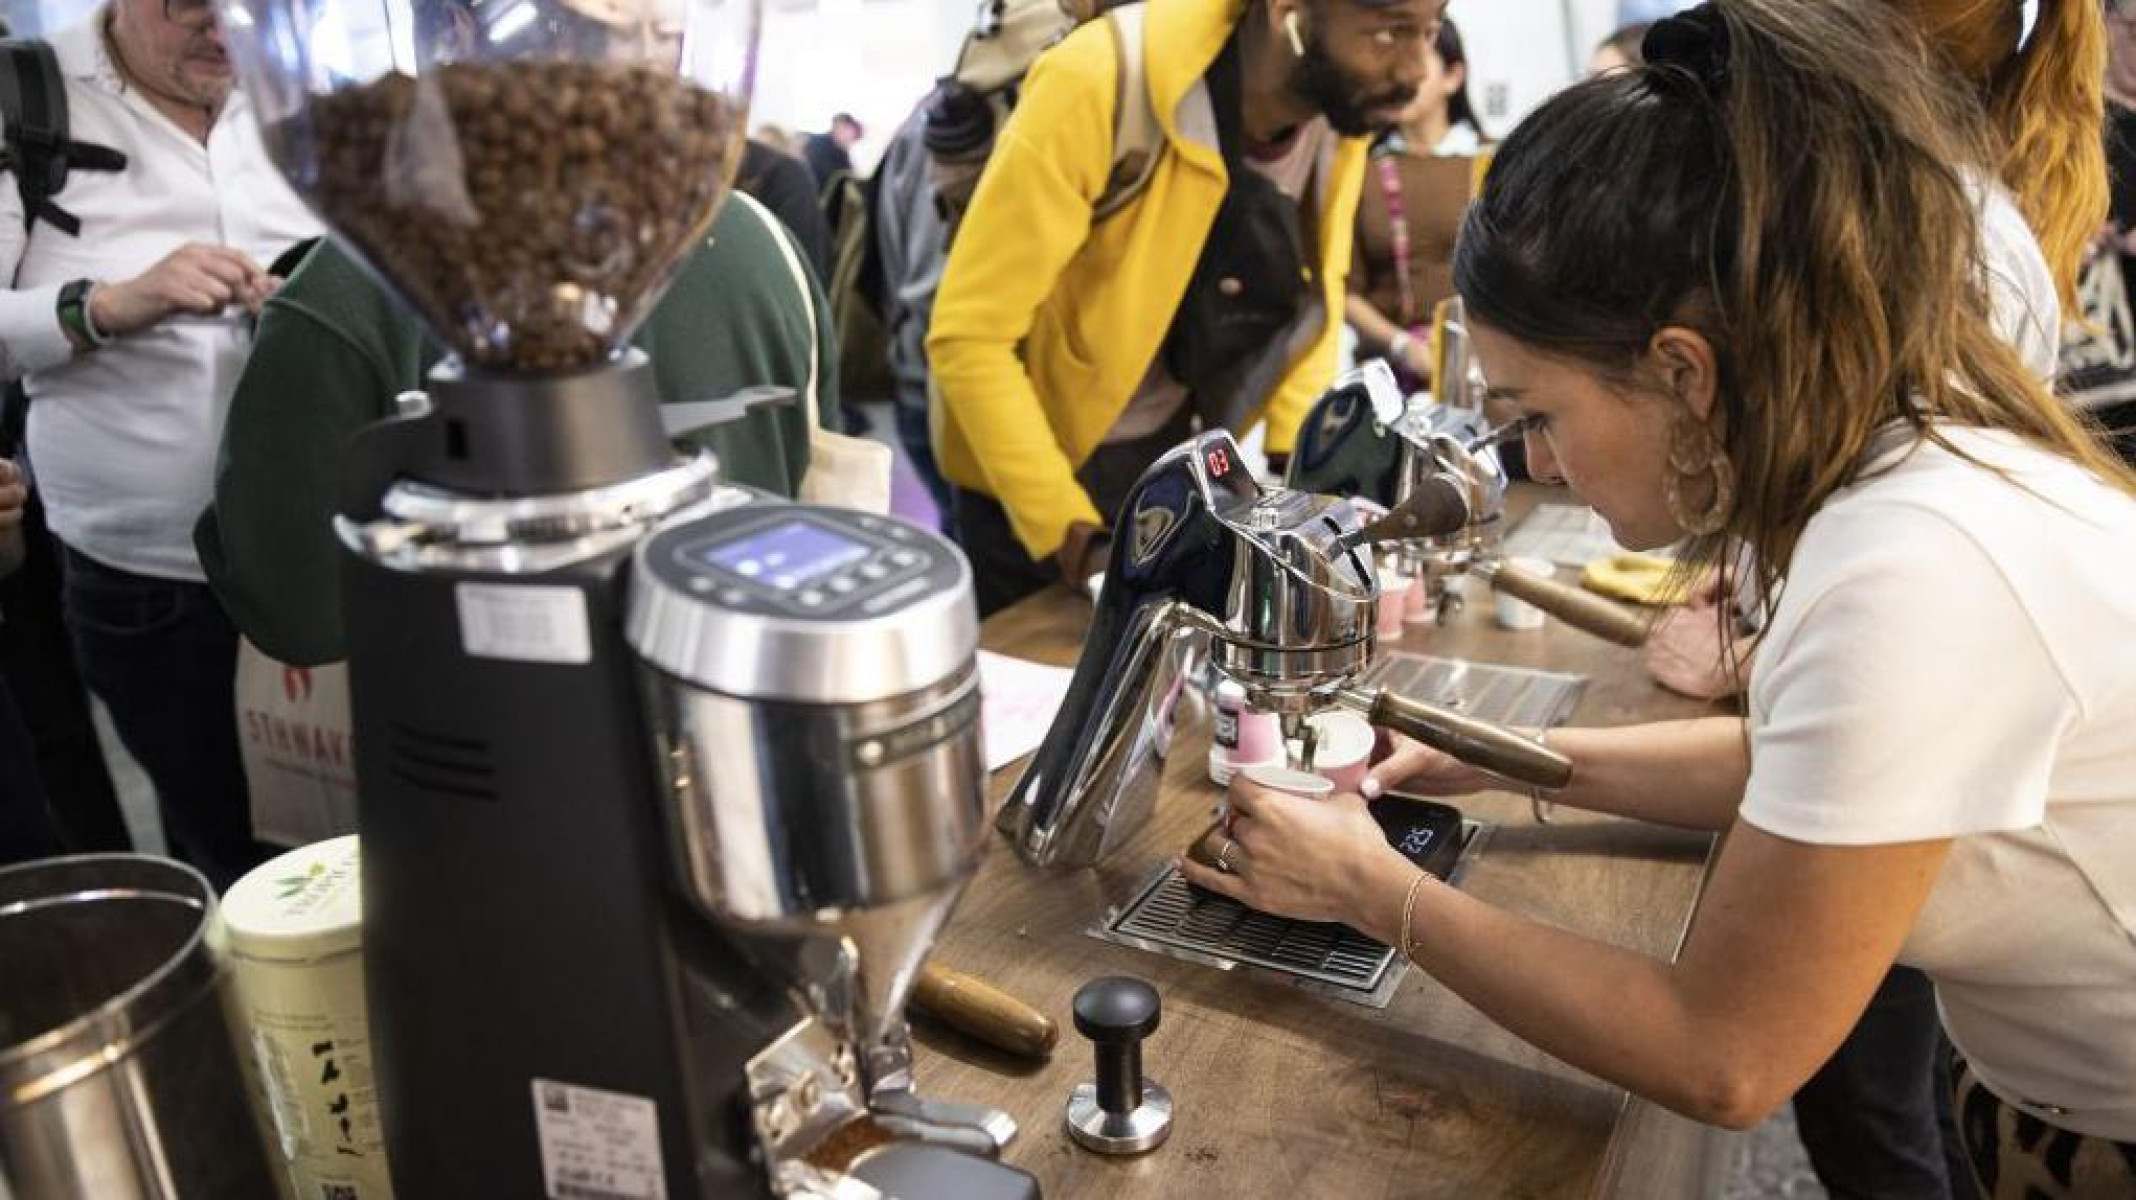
(976,1007)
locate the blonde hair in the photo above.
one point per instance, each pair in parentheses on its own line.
(2047,109)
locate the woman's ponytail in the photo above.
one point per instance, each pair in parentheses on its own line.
(2049,105)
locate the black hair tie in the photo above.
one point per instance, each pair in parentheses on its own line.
(1695,42)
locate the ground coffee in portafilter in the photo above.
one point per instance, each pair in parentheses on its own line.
(527,209)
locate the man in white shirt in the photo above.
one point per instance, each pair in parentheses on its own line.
(129,336)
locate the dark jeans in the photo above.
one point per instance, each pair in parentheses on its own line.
(37,662)
(1003,572)
(162,655)
(1876,1118)
(26,830)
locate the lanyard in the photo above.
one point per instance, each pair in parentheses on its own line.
(1390,175)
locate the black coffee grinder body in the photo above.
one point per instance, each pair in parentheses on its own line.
(534,977)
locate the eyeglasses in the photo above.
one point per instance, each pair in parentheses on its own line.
(196,15)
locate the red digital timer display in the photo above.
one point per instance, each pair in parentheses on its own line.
(1219,462)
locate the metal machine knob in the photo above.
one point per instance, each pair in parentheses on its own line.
(1120,1112)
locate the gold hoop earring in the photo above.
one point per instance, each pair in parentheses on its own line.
(1290,26)
(1695,452)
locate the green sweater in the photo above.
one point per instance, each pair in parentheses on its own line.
(334,349)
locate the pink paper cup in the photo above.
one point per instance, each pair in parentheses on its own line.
(1342,750)
(1395,587)
(1260,737)
(1416,603)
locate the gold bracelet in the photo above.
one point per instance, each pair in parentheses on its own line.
(1538,807)
(1409,910)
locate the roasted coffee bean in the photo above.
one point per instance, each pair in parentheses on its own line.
(532,223)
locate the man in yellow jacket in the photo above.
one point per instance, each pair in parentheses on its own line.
(1070,347)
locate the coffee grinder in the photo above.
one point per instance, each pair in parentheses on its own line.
(665,785)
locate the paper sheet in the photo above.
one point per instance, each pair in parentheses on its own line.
(1017,702)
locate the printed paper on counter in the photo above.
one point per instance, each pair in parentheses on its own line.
(1018,700)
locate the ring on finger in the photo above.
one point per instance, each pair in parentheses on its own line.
(1223,857)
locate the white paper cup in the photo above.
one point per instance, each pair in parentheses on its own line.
(1285,779)
(1281,778)
(1512,611)
(1223,767)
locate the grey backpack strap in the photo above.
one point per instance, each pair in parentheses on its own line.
(1138,141)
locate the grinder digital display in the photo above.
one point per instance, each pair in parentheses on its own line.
(788,554)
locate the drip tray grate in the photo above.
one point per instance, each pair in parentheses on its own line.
(1172,917)
(1518,696)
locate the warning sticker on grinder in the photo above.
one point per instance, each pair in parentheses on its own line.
(525,623)
(598,1145)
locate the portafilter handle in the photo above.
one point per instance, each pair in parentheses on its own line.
(1498,750)
(1577,607)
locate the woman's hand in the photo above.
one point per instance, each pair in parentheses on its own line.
(1412,766)
(1692,648)
(1318,860)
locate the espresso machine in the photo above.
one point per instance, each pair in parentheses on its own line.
(1277,587)
(1364,438)
(665,785)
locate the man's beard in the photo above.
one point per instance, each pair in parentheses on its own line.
(1320,82)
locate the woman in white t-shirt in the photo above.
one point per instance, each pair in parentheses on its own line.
(1735,294)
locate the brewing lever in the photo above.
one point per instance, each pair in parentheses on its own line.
(1436,507)
(1580,609)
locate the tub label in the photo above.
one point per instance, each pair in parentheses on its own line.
(598,1145)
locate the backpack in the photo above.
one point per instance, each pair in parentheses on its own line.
(37,150)
(1008,38)
(855,288)
(979,95)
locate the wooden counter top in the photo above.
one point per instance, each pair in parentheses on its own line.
(1282,1093)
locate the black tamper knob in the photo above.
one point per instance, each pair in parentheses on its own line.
(1120,1112)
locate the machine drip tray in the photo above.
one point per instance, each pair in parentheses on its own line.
(1171,917)
(1518,696)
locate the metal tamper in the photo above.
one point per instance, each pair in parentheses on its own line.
(1120,1112)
